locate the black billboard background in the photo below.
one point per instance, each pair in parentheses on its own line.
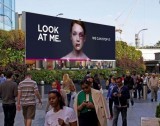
(94,49)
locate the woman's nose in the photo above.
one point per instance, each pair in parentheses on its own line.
(78,38)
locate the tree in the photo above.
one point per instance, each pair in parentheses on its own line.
(128,58)
(12,46)
(157,44)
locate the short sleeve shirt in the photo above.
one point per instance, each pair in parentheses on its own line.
(27,89)
(67,114)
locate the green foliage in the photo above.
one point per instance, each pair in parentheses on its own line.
(128,58)
(19,70)
(48,76)
(158,111)
(11,47)
(157,44)
(14,40)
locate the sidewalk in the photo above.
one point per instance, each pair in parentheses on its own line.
(141,108)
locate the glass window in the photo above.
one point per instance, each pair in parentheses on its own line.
(1,8)
(7,16)
(13,5)
(6,27)
(8,3)
(13,19)
(1,18)
(1,25)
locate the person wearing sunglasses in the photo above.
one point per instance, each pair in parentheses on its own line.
(90,106)
(59,115)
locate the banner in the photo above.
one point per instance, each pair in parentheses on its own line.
(55,38)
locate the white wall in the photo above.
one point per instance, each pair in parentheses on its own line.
(148,54)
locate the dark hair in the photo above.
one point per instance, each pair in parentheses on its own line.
(28,74)
(81,23)
(119,78)
(9,74)
(85,82)
(61,101)
(88,72)
(96,76)
(114,78)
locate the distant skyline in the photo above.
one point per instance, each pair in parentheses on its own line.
(128,15)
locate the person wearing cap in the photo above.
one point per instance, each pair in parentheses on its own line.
(153,85)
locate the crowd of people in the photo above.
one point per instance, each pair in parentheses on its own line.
(68,107)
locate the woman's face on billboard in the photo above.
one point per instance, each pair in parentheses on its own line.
(77,37)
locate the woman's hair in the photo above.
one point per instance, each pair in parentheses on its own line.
(81,23)
(66,78)
(59,96)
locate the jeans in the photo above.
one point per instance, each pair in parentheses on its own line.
(9,114)
(131,94)
(123,111)
(110,106)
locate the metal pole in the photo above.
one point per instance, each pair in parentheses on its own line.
(137,37)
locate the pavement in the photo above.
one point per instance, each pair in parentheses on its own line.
(141,108)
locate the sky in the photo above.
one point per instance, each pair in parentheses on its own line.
(131,16)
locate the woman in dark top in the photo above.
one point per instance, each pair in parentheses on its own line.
(139,82)
(96,82)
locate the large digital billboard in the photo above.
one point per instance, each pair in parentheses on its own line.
(55,38)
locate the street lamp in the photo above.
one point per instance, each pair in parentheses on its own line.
(59,14)
(8,18)
(137,37)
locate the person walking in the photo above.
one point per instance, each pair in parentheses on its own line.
(153,85)
(73,95)
(8,91)
(120,95)
(27,90)
(59,115)
(129,82)
(56,86)
(90,106)
(139,83)
(96,82)
(2,78)
(109,95)
(67,81)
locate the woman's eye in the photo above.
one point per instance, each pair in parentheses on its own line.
(74,34)
(81,35)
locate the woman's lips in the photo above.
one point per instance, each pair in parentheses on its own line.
(77,45)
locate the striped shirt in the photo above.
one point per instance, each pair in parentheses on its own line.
(27,88)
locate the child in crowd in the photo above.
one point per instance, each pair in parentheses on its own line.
(73,95)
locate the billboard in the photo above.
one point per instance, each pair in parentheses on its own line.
(55,38)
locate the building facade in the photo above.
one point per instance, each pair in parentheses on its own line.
(7,14)
(151,58)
